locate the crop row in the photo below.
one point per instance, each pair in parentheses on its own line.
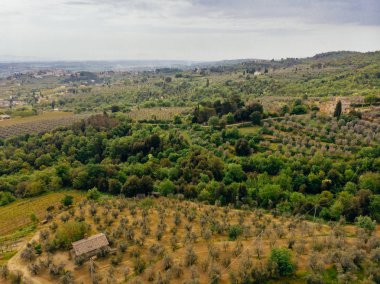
(37,126)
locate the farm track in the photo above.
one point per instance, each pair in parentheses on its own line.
(38,126)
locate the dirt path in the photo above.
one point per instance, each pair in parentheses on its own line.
(17,264)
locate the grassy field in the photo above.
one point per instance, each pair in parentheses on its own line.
(157,113)
(39,123)
(15,218)
(36,118)
(249,130)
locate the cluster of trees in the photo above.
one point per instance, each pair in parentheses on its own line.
(228,112)
(213,166)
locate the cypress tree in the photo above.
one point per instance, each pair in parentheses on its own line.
(338,109)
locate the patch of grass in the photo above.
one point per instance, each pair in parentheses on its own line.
(36,118)
(249,130)
(330,275)
(15,217)
(7,256)
(146,203)
(157,113)
(20,233)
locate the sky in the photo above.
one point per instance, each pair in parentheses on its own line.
(200,30)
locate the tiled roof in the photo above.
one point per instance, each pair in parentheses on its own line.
(90,244)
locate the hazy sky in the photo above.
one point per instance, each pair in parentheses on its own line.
(186,29)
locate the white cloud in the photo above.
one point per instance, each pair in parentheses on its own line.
(185,29)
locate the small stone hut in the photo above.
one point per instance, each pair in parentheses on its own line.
(90,246)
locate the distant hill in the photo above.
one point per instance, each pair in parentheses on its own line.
(333,58)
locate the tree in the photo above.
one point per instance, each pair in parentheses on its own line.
(371,181)
(234,232)
(281,257)
(115,108)
(166,187)
(255,118)
(70,232)
(114,186)
(93,194)
(269,193)
(284,109)
(28,253)
(374,207)
(234,173)
(365,223)
(135,185)
(299,109)
(230,118)
(4,271)
(213,122)
(242,147)
(338,109)
(67,200)
(177,119)
(190,257)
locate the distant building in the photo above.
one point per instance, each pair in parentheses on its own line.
(90,246)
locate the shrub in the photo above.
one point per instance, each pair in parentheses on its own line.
(116,260)
(139,265)
(56,270)
(28,253)
(93,194)
(34,268)
(167,262)
(38,249)
(166,187)
(370,181)
(281,257)
(6,198)
(176,271)
(242,147)
(67,200)
(190,257)
(67,277)
(4,271)
(122,247)
(365,223)
(214,275)
(79,260)
(103,252)
(234,232)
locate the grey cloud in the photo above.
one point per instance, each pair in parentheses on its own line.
(364,12)
(78,3)
(183,29)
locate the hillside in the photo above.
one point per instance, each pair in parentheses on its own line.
(167,240)
(251,162)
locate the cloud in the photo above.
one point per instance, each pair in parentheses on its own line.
(365,12)
(186,29)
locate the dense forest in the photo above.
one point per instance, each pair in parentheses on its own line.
(211,164)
